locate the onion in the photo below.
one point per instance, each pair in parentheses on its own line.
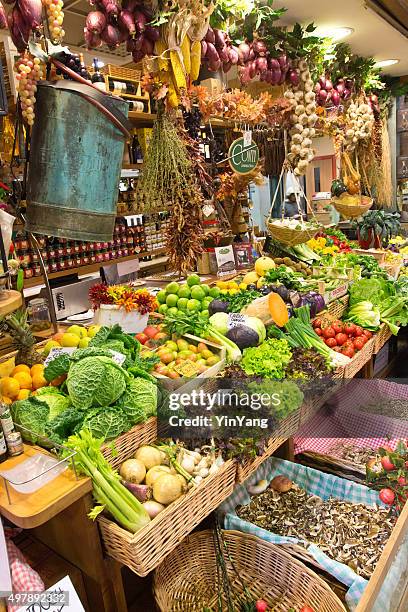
(318,88)
(219,36)
(130,5)
(329,85)
(141,491)
(233,55)
(152,33)
(276,76)
(147,46)
(346,94)
(19,31)
(261,64)
(281,484)
(322,82)
(203,48)
(243,50)
(167,488)
(140,22)
(93,41)
(153,508)
(133,470)
(212,53)
(154,473)
(223,54)
(210,36)
(335,98)
(244,75)
(294,77)
(31,11)
(274,64)
(3,17)
(283,61)
(251,55)
(111,35)
(340,87)
(226,67)
(95,22)
(149,456)
(214,66)
(252,69)
(137,56)
(323,96)
(134,44)
(260,48)
(127,21)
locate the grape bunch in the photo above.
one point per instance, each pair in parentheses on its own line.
(55,17)
(29,71)
(192,122)
(73,62)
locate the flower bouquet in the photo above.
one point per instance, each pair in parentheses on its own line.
(122,304)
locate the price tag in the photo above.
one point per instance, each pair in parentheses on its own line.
(248,138)
(208,210)
(235,319)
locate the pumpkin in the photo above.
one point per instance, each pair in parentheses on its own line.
(338,187)
(278,309)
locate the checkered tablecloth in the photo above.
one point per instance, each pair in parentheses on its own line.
(23,577)
(348,423)
(317,483)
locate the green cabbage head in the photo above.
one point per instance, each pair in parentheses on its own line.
(95,381)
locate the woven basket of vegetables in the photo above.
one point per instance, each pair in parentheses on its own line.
(291,236)
(187,581)
(126,444)
(352,206)
(380,338)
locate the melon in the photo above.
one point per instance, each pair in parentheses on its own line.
(263,264)
(251,278)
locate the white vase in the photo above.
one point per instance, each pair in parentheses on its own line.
(131,322)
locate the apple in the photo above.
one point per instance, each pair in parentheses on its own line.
(142,337)
(151,331)
(387,464)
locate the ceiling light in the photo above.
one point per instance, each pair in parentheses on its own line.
(385,63)
(335,34)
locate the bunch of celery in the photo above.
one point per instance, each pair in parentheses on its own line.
(107,488)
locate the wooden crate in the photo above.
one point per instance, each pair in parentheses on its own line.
(381,337)
(360,359)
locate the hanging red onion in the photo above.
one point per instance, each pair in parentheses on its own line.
(259,47)
(283,61)
(346,94)
(335,97)
(111,7)
(3,17)
(212,53)
(226,67)
(140,21)
(147,46)
(233,55)
(252,69)
(329,85)
(294,77)
(214,66)
(262,64)
(96,22)
(93,40)
(244,75)
(203,48)
(243,51)
(111,35)
(251,55)
(210,36)
(127,21)
(322,82)
(317,88)
(31,11)
(130,5)
(219,36)
(137,56)
(340,87)
(224,55)
(19,31)
(273,64)
(276,76)
(152,33)
(323,96)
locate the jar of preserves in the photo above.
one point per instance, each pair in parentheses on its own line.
(39,314)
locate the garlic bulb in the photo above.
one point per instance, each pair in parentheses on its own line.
(303,120)
(360,121)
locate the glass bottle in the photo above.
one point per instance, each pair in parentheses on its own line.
(97,78)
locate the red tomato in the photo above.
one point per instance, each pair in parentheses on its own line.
(341,339)
(331,342)
(348,351)
(358,344)
(328,332)
(387,496)
(350,328)
(318,331)
(317,322)
(363,339)
(387,464)
(402,481)
(358,331)
(306,609)
(367,333)
(142,338)
(337,326)
(261,605)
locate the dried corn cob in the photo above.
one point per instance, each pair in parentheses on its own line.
(179,76)
(186,53)
(195,60)
(160,50)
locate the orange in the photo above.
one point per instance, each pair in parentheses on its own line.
(21,368)
(6,400)
(25,381)
(9,387)
(23,394)
(39,381)
(38,368)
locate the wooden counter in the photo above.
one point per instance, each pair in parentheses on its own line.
(33,509)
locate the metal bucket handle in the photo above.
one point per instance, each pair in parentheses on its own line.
(102,101)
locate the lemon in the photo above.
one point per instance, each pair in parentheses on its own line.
(77,330)
(69,339)
(84,342)
(93,330)
(50,345)
(21,368)
(23,394)
(24,380)
(7,367)
(38,368)
(39,381)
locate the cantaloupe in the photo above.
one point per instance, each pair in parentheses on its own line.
(263,264)
(278,309)
(251,278)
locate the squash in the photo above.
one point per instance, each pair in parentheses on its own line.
(278,309)
(263,264)
(251,278)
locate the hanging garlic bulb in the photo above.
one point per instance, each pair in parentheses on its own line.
(303,119)
(360,122)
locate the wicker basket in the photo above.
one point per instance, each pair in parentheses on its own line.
(125,445)
(290,236)
(121,72)
(187,580)
(381,338)
(287,428)
(352,211)
(360,359)
(338,307)
(145,550)
(378,254)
